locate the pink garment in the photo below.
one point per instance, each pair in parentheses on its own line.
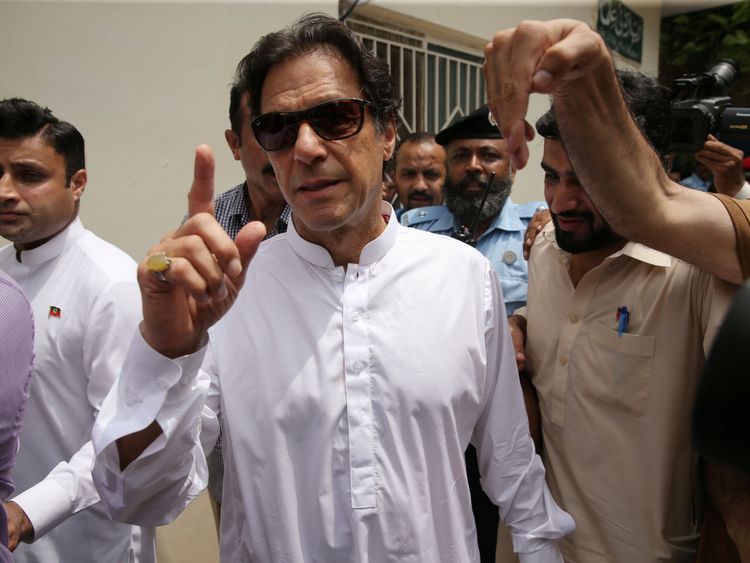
(16,355)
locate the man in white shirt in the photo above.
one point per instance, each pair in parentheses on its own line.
(85,304)
(356,365)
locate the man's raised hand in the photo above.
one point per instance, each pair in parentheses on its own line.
(206,270)
(541,57)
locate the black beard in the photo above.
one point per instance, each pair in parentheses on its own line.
(465,206)
(599,238)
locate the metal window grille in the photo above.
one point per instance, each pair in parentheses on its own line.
(436,83)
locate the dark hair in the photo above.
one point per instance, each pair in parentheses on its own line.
(236,92)
(315,32)
(235,112)
(648,102)
(21,118)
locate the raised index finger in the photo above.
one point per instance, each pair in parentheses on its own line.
(201,194)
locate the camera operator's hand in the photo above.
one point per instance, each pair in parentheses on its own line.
(725,163)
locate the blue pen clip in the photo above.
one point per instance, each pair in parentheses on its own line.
(623,317)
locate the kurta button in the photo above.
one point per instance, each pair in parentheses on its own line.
(355,316)
(563,360)
(509,257)
(573,319)
(358,366)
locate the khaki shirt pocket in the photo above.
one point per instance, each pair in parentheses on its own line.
(622,365)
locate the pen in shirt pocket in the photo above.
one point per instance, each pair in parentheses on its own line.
(622,318)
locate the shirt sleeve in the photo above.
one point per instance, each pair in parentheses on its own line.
(512,473)
(182,397)
(68,488)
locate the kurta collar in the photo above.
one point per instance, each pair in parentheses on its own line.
(632,250)
(645,254)
(55,246)
(372,252)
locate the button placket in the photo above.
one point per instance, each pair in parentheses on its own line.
(358,388)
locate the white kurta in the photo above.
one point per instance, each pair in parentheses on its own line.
(348,397)
(86,304)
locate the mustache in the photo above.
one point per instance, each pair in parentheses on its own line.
(267,170)
(587,215)
(473,178)
(419,193)
(458,188)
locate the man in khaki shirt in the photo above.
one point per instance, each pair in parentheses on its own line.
(616,339)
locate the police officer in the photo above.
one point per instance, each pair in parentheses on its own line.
(474,149)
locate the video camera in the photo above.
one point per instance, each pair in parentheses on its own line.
(700,106)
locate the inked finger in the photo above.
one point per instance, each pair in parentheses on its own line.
(201,194)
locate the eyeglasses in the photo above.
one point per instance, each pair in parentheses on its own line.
(332,121)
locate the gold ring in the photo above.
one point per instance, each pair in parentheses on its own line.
(158,264)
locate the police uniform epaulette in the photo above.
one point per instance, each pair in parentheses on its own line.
(527,210)
(423,215)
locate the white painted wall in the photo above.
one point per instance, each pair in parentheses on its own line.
(147,81)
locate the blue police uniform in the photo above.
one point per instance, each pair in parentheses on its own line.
(501,243)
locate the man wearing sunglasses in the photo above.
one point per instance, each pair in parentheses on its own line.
(353,368)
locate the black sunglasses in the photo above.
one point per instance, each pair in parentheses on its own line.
(333,120)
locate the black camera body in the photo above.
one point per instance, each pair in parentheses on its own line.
(700,106)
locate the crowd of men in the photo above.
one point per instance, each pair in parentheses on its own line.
(358,383)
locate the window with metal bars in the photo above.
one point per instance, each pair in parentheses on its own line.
(437,83)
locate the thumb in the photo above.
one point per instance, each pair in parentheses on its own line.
(201,194)
(247,241)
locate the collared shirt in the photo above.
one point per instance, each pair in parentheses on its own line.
(501,243)
(616,404)
(16,351)
(86,305)
(232,211)
(347,410)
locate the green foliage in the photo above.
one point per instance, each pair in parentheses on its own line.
(693,42)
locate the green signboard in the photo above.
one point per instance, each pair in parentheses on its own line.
(621,28)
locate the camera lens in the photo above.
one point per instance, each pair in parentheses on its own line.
(725,71)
